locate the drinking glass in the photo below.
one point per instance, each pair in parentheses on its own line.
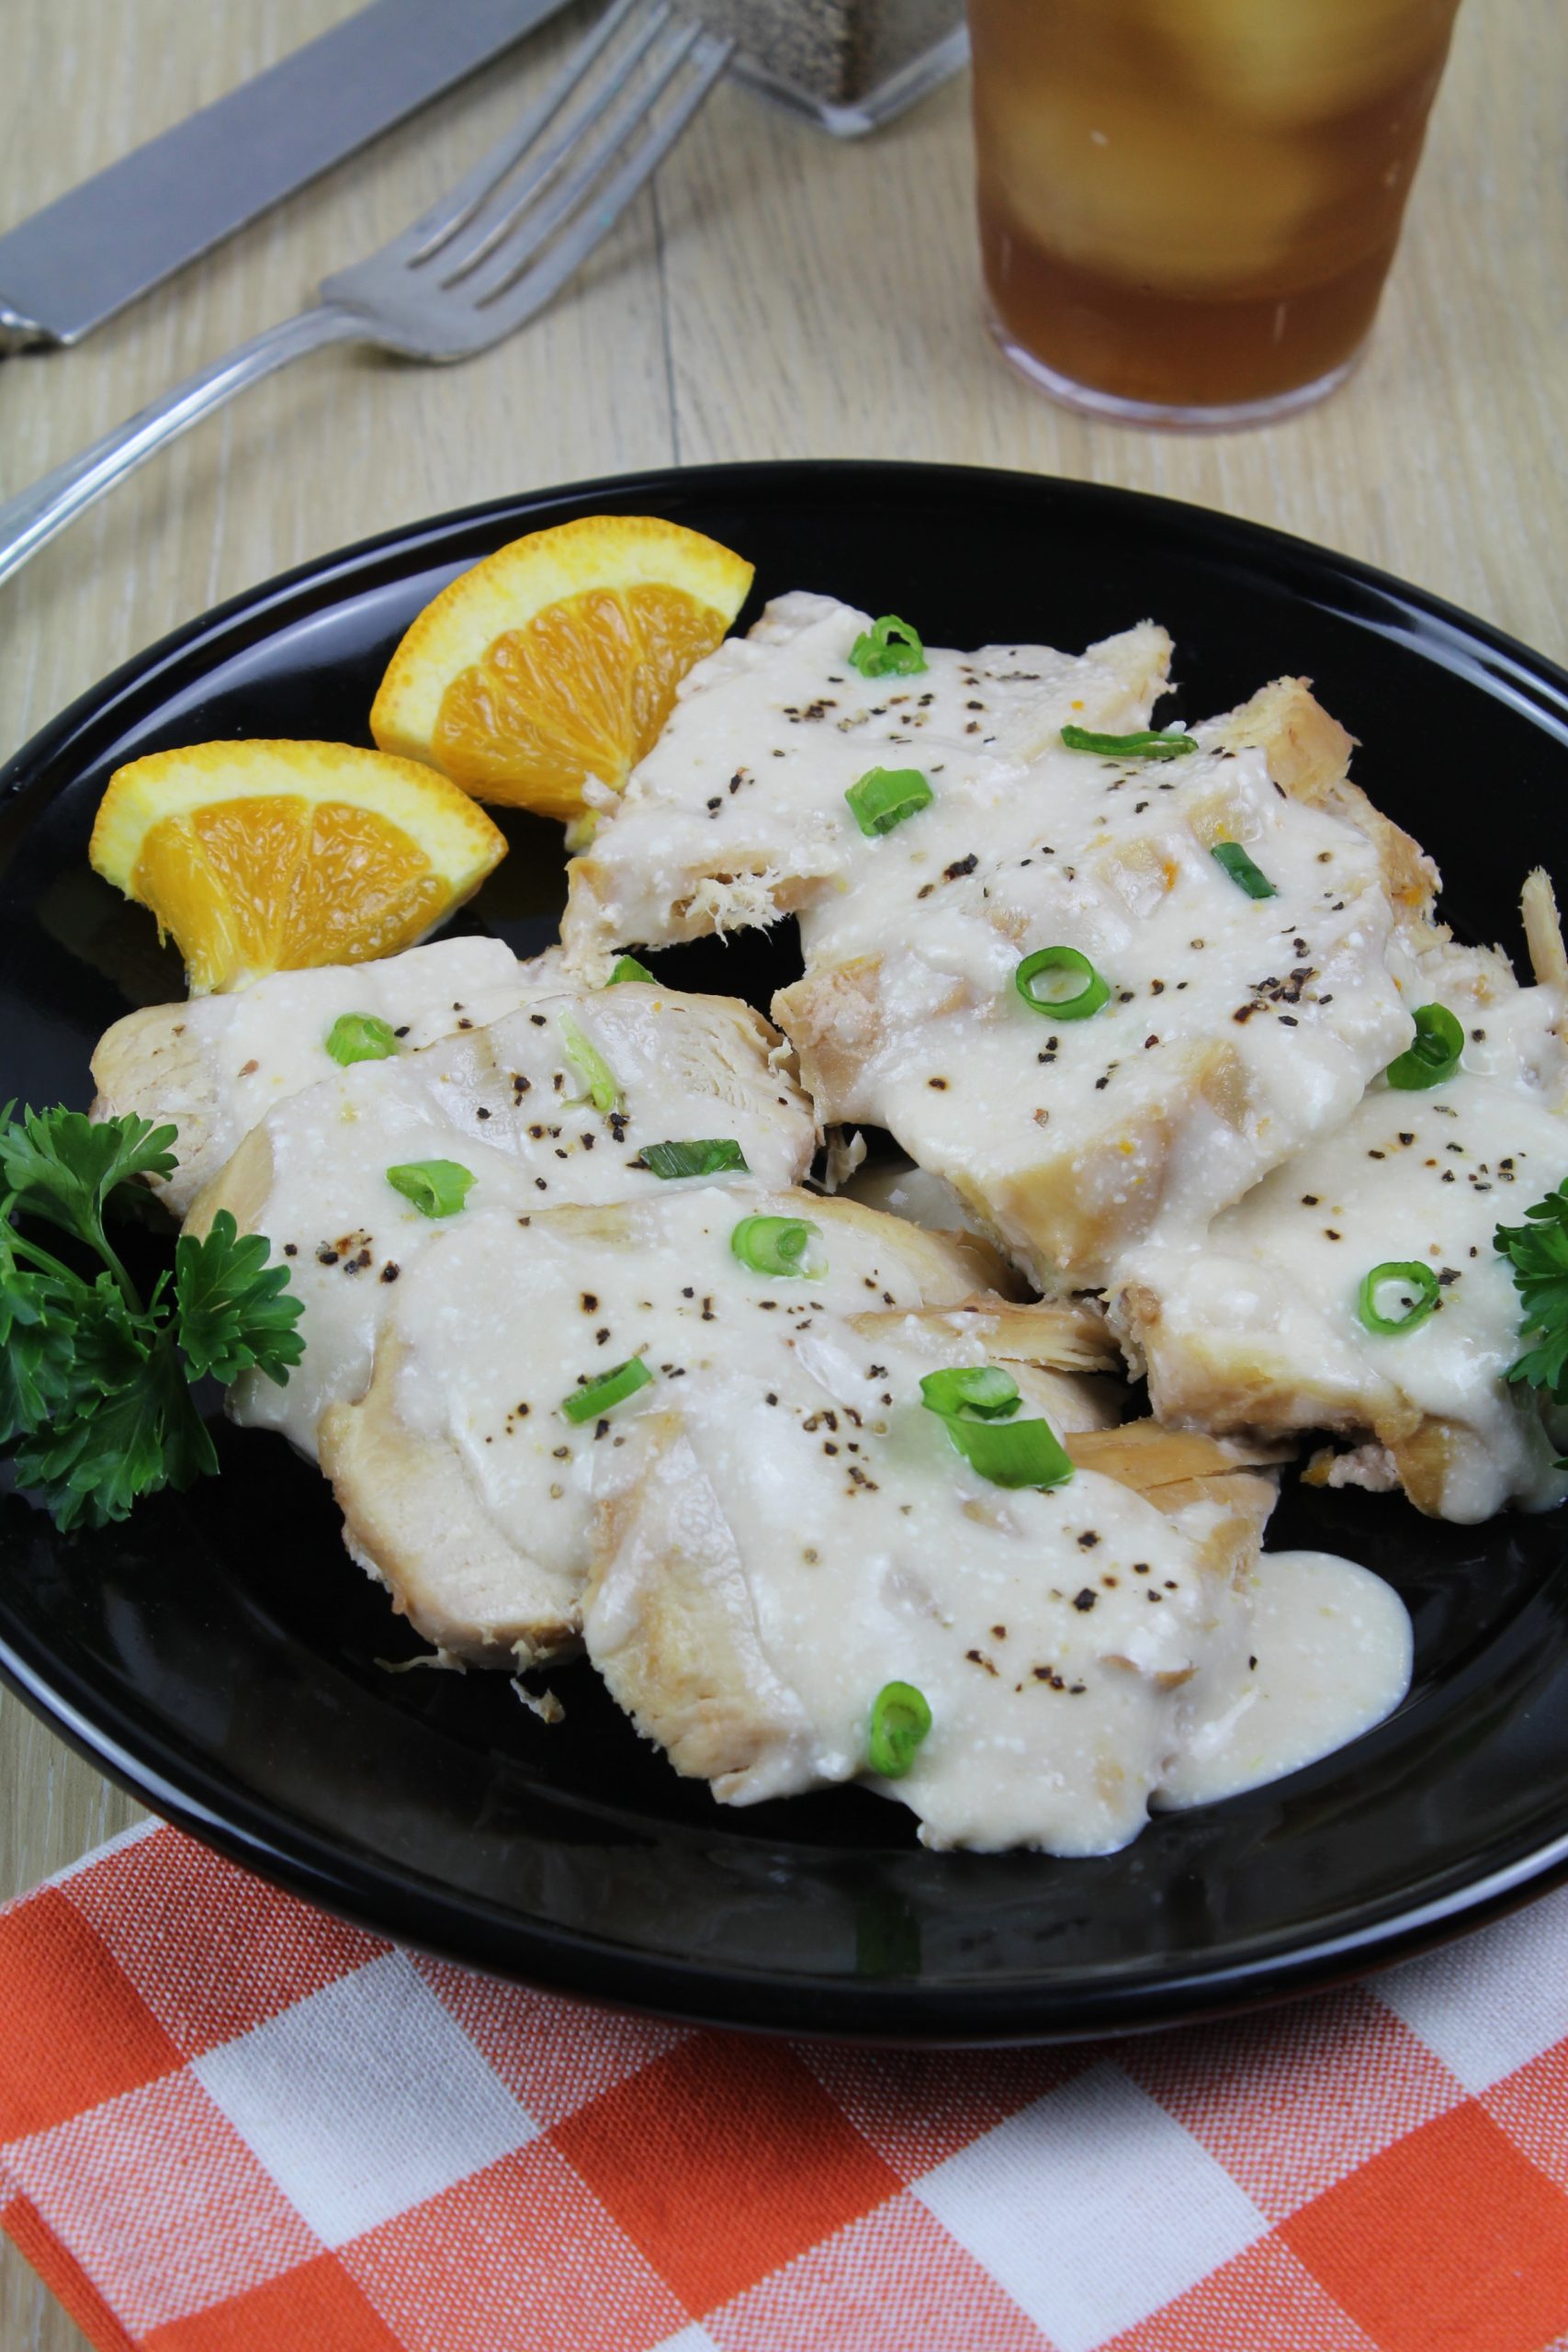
(1188,207)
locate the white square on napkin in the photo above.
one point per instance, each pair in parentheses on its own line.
(1096,2165)
(1494,2002)
(364,2099)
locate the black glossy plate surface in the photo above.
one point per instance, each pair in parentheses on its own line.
(217,1655)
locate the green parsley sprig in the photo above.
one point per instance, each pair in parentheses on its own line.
(1538,1252)
(96,1408)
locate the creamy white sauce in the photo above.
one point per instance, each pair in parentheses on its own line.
(779,1500)
(1258,1321)
(748,779)
(773,1528)
(1236,1028)
(506,1103)
(219,1063)
(1223,1048)
(1329,1657)
(274,1037)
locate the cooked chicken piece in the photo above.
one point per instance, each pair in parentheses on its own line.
(900,1189)
(767,1528)
(1071,1335)
(772,1527)
(1256,1326)
(1238,1025)
(720,1645)
(1173,1468)
(462,1415)
(1308,755)
(737,816)
(684,1665)
(507,1103)
(1058,1694)
(217,1065)
(1543,937)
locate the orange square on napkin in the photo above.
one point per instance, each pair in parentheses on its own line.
(1450,2241)
(315,2304)
(77,2033)
(723,2160)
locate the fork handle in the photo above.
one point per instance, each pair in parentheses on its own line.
(29,520)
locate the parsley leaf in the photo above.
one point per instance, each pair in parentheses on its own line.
(95,1403)
(233,1316)
(147,1435)
(62,1165)
(36,1313)
(1538,1252)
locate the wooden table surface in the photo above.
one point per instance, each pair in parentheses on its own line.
(778,295)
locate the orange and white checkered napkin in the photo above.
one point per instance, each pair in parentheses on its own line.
(228,2123)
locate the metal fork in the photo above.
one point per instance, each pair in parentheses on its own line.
(473,268)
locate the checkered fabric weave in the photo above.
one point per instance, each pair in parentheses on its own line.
(228,2123)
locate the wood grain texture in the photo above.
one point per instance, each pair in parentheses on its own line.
(777,295)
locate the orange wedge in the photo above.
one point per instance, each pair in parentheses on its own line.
(265,858)
(557,658)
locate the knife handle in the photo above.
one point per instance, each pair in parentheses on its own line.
(29,520)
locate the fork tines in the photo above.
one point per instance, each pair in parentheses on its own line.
(518,224)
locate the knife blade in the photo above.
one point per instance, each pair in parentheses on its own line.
(85,256)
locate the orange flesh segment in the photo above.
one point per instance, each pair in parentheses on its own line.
(583,690)
(282,882)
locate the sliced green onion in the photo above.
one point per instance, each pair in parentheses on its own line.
(890,649)
(1411,1276)
(885,796)
(1075,1005)
(1011,1454)
(698,1156)
(1146,743)
(983,1388)
(360,1037)
(599,1082)
(1242,871)
(974,1404)
(900,1718)
(610,1388)
(777,1245)
(627,968)
(1439,1041)
(436,1187)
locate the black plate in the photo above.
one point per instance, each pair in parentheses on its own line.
(217,1655)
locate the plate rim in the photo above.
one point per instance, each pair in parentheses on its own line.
(1523,664)
(379,1894)
(414,1911)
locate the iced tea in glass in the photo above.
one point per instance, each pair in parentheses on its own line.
(1188,207)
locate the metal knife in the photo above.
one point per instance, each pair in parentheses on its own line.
(83,257)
